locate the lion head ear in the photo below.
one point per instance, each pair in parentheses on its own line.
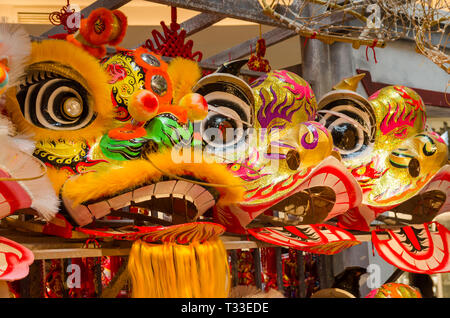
(184,74)
(232,67)
(350,83)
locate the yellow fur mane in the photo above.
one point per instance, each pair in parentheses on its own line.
(184,74)
(170,270)
(135,173)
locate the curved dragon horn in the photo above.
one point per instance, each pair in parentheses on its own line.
(232,67)
(350,83)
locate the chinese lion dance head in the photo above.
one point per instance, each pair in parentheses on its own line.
(284,158)
(103,129)
(400,165)
(140,149)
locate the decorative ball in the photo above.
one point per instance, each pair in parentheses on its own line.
(195,105)
(394,290)
(143,105)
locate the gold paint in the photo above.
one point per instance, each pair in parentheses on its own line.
(397,152)
(350,83)
(278,176)
(62,149)
(132,82)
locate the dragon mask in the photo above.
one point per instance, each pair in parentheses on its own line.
(400,165)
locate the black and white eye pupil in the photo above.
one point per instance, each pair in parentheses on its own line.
(345,136)
(350,124)
(55,103)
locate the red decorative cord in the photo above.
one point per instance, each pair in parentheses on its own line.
(172,43)
(60,18)
(312,37)
(373,50)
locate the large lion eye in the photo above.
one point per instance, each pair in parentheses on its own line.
(346,135)
(229,112)
(225,123)
(51,101)
(350,125)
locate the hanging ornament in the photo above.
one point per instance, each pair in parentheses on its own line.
(172,43)
(269,267)
(246,268)
(68,17)
(53,282)
(290,274)
(102,27)
(257,62)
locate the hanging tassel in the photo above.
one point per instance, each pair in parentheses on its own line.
(171,270)
(257,62)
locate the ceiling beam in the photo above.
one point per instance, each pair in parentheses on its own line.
(108,4)
(200,22)
(236,52)
(248,10)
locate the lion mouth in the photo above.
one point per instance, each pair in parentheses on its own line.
(163,203)
(309,206)
(419,209)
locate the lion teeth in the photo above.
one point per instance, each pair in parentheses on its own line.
(201,198)
(120,201)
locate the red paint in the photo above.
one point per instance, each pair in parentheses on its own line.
(390,123)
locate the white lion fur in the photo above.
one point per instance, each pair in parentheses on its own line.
(15,47)
(16,158)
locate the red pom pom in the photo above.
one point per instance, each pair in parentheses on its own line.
(149,101)
(196,106)
(143,105)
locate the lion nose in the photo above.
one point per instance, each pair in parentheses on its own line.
(313,144)
(404,158)
(423,153)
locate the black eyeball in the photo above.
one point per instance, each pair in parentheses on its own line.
(351,125)
(345,136)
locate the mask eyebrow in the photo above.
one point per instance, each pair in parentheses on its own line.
(215,110)
(353,121)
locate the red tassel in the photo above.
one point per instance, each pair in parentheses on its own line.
(172,43)
(373,50)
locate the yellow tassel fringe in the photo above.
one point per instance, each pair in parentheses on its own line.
(169,270)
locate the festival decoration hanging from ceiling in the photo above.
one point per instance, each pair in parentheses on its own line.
(172,42)
(68,16)
(369,23)
(257,62)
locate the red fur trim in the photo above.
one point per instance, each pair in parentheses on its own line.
(87,29)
